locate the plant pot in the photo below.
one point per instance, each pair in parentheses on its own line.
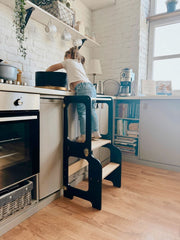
(171,6)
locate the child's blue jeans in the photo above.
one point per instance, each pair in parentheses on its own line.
(86,88)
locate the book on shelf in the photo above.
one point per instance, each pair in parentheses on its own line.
(128,110)
(132,133)
(120,127)
(133,126)
(125,144)
(127,128)
(125,139)
(127,149)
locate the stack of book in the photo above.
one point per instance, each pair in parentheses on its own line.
(126,144)
(133,130)
(127,128)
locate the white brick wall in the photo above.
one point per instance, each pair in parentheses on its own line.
(41,51)
(120,29)
(122,33)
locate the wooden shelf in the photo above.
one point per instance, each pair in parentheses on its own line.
(44,17)
(129,119)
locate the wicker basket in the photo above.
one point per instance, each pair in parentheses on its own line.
(15,199)
(60,11)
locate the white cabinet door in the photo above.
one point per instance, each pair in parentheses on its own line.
(160,131)
(102,112)
(103,118)
(51,146)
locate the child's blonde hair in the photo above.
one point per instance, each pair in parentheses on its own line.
(74,53)
(83,60)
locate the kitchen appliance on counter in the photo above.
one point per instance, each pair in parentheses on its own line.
(19,137)
(51,80)
(126,79)
(8,72)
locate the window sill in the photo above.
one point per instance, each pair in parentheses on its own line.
(163,16)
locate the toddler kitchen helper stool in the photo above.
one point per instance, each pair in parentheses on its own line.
(84,151)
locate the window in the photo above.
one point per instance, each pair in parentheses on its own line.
(164,45)
(160,6)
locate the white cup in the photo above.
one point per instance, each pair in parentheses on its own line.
(66,36)
(51,28)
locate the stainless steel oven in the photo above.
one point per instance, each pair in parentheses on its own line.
(19,137)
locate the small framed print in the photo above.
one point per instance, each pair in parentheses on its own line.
(163,88)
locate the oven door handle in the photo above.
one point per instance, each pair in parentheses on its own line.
(21,118)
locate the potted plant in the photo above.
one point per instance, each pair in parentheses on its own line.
(171,5)
(20,23)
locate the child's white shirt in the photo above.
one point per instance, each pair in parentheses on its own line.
(75,71)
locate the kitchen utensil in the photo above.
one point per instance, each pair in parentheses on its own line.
(8,72)
(111,87)
(51,79)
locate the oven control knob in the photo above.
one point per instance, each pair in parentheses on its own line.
(18,102)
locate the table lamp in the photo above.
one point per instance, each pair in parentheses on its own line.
(95,68)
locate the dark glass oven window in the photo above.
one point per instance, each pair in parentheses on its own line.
(14,144)
(18,151)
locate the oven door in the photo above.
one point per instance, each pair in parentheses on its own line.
(19,146)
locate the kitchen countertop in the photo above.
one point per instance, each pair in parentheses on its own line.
(155,97)
(31,89)
(45,91)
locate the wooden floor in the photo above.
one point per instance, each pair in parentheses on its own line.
(147,207)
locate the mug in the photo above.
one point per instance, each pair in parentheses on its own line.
(50,28)
(66,35)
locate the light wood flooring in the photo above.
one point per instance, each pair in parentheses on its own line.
(146,207)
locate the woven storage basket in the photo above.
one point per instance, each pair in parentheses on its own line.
(15,199)
(60,11)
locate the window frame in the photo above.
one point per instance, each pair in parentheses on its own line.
(155,21)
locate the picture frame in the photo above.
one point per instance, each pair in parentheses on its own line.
(163,88)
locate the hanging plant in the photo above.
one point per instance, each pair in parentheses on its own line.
(20,23)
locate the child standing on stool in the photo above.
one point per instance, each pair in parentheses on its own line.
(79,82)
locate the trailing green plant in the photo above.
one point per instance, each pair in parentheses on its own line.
(20,23)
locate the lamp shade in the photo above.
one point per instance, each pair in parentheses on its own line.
(94,67)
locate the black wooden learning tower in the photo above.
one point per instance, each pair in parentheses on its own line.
(84,151)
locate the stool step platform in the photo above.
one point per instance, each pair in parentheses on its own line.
(110,167)
(97,143)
